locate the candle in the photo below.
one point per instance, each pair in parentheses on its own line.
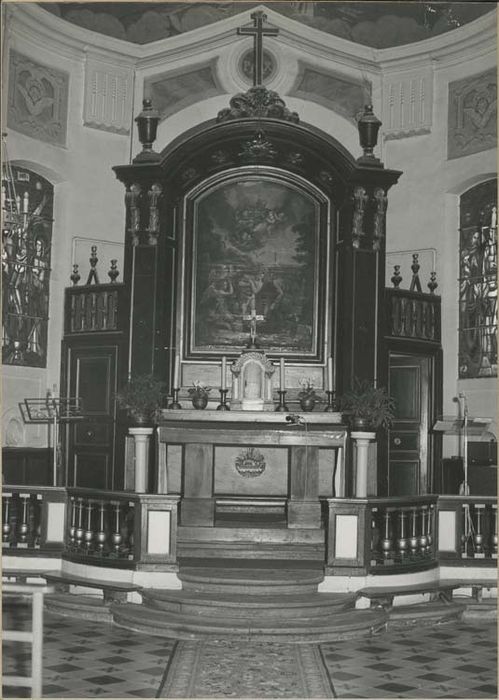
(330,374)
(176,373)
(224,366)
(282,373)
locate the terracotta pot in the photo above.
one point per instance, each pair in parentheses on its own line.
(307,403)
(199,402)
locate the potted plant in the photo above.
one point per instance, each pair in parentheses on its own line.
(307,395)
(141,397)
(199,395)
(368,407)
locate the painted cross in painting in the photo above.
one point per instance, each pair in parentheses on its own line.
(255,249)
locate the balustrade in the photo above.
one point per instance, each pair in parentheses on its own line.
(381,535)
(471,528)
(32,517)
(402,534)
(101,526)
(93,308)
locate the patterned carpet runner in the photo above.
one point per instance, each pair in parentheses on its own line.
(215,668)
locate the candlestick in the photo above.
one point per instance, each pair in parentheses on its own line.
(224,371)
(281,407)
(223,401)
(330,374)
(175,403)
(176,373)
(331,404)
(282,374)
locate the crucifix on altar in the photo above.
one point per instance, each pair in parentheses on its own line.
(253,319)
(258,31)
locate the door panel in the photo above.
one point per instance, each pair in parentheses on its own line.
(92,378)
(408,472)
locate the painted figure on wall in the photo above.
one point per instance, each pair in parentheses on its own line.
(255,250)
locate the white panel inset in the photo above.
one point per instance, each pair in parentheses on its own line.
(108,96)
(158,531)
(346,537)
(407,103)
(55,522)
(447,531)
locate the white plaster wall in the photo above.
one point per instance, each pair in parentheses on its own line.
(424,213)
(88,202)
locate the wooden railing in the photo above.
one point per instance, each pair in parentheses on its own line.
(94,308)
(413,315)
(33,636)
(381,535)
(468,527)
(120,529)
(33,518)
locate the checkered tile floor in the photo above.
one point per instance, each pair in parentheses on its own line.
(90,659)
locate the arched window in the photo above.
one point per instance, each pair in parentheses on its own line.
(478,282)
(27,209)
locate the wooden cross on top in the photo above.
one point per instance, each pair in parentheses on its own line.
(258,31)
(253,318)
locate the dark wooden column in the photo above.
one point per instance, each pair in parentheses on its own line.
(149,270)
(361,278)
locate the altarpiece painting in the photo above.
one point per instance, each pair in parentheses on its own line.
(256,251)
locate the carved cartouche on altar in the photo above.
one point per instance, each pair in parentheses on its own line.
(252,382)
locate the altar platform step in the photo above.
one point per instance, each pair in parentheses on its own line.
(84,607)
(252,607)
(425,614)
(255,580)
(273,543)
(337,626)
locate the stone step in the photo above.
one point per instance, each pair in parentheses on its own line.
(424,614)
(289,607)
(351,624)
(250,581)
(484,610)
(83,607)
(251,550)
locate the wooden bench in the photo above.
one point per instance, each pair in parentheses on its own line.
(114,591)
(442,590)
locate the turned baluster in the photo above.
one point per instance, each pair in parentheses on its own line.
(23,526)
(494,532)
(423,540)
(131,539)
(478,535)
(413,541)
(386,542)
(79,520)
(101,534)
(89,535)
(38,520)
(72,527)
(6,527)
(402,542)
(116,537)
(431,528)
(466,529)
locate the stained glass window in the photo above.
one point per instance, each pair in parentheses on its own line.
(478,282)
(27,209)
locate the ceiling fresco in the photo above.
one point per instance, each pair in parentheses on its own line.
(375,24)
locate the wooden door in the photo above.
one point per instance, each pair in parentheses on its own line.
(408,440)
(90,453)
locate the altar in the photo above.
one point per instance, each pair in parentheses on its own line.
(251,460)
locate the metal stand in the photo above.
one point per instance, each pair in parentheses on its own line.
(53,411)
(281,406)
(175,403)
(223,401)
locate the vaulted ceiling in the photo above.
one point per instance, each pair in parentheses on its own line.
(376,24)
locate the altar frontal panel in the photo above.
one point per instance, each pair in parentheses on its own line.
(251,471)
